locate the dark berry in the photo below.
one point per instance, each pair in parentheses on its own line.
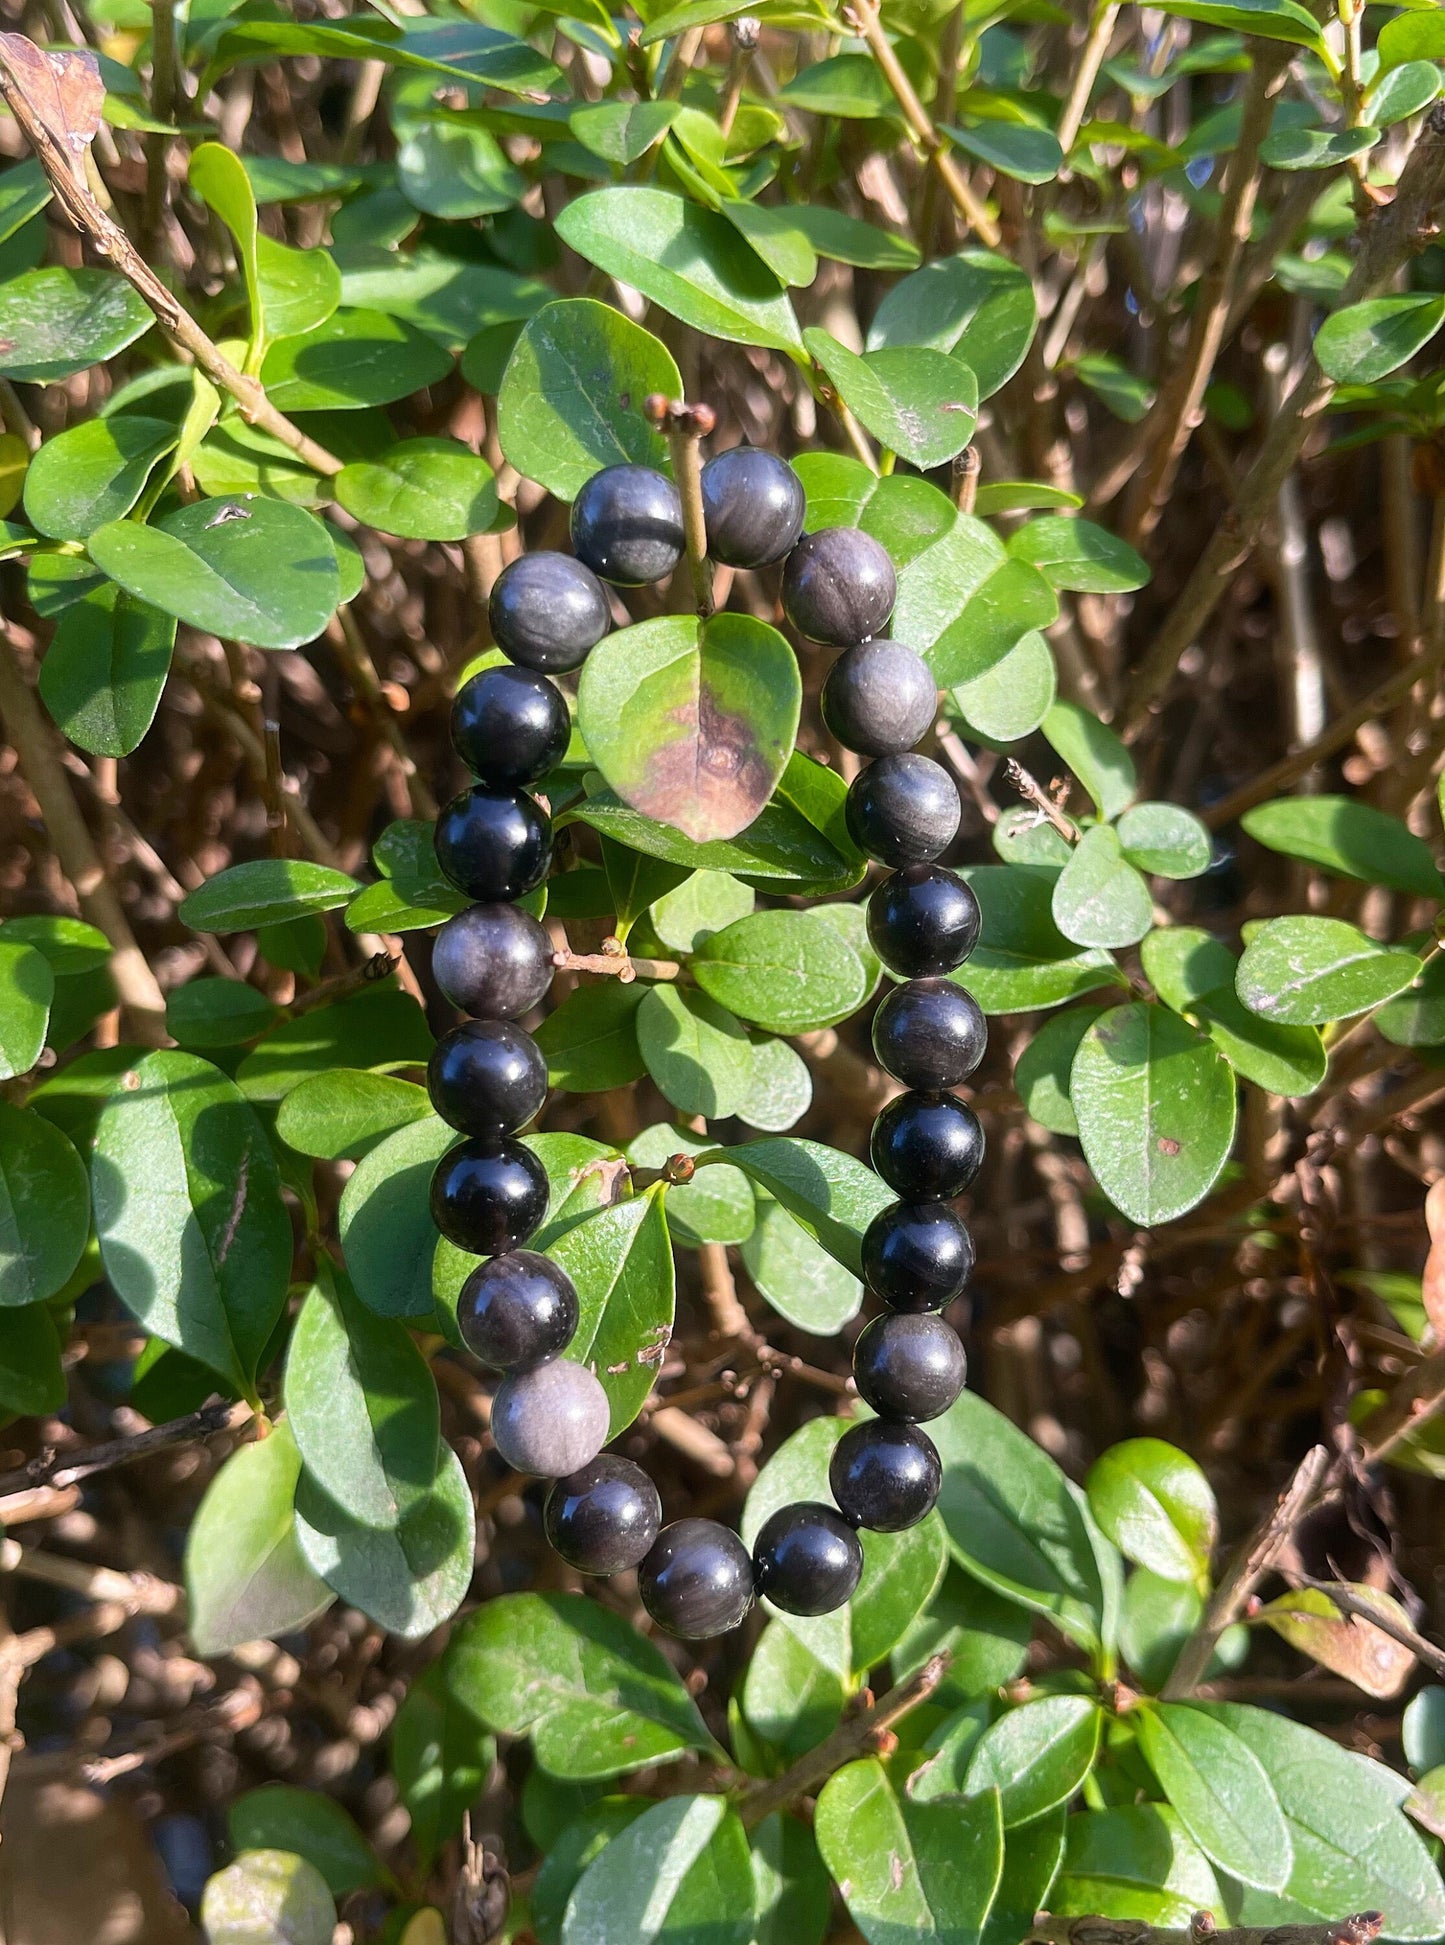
(923,921)
(493,960)
(903,809)
(753,503)
(909,1365)
(917,1255)
(929,1033)
(487,1077)
(548,612)
(550,1420)
(627,525)
(885,1476)
(494,845)
(488,1196)
(697,1579)
(879,698)
(927,1146)
(806,1558)
(838,586)
(517,1310)
(510,726)
(603,1519)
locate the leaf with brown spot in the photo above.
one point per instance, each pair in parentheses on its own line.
(64,90)
(692,723)
(1344,1643)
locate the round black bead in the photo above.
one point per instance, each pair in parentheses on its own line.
(909,1365)
(929,1033)
(839,586)
(753,503)
(488,1196)
(903,809)
(603,1519)
(879,698)
(627,525)
(510,726)
(923,921)
(885,1476)
(493,960)
(927,1146)
(917,1255)
(517,1310)
(697,1579)
(487,1077)
(548,612)
(494,845)
(806,1558)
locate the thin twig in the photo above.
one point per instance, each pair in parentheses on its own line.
(686,427)
(54,1467)
(1029,788)
(1086,73)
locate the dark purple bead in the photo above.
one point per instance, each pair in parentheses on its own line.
(806,1558)
(927,1147)
(885,1476)
(603,1519)
(488,1196)
(917,1255)
(697,1580)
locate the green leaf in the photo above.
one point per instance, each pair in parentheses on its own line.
(424,489)
(1194,974)
(380,1026)
(1411,36)
(596,1698)
(440,1757)
(832,1196)
(94,472)
(1136,1861)
(1024,960)
(1157,1618)
(105,669)
(900,1570)
(1031,1858)
(1417,1017)
(193,1232)
(792,1894)
(44,1207)
(1100,899)
(1018,1525)
(1422,1729)
(32,1377)
(24,192)
(917,402)
(1354,839)
(69,944)
(695,1050)
(1012,148)
(1012,698)
(1165,841)
(1156,1107)
(591,1039)
(1306,970)
(299,289)
(703,903)
(265,892)
(924,1871)
(689,261)
(56,322)
(692,724)
(1399,92)
(986,1635)
(790,1699)
(344,1113)
(387,1233)
(1036,1756)
(456,172)
(844,239)
(780,848)
(787,971)
(795,1274)
(252,570)
(681,1871)
(572,394)
(219,178)
(1095,755)
(1042,1070)
(1316,148)
(357,357)
(622,131)
(1157,1507)
(279,1816)
(620,1260)
(271,1895)
(1366,342)
(410,1578)
(718,1207)
(246,1579)
(27,987)
(1275,20)
(976,304)
(211,1012)
(1221,1790)
(780,1088)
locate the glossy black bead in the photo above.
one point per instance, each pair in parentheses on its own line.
(488,1196)
(909,1365)
(494,845)
(839,586)
(753,503)
(603,1519)
(903,809)
(917,1255)
(928,1147)
(627,525)
(806,1558)
(879,698)
(697,1579)
(517,1310)
(487,1077)
(493,960)
(923,921)
(548,612)
(885,1475)
(929,1033)
(510,725)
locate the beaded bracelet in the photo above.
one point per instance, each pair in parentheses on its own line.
(488,1078)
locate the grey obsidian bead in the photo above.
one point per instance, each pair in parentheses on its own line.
(838,586)
(697,1580)
(879,698)
(548,612)
(551,1420)
(903,809)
